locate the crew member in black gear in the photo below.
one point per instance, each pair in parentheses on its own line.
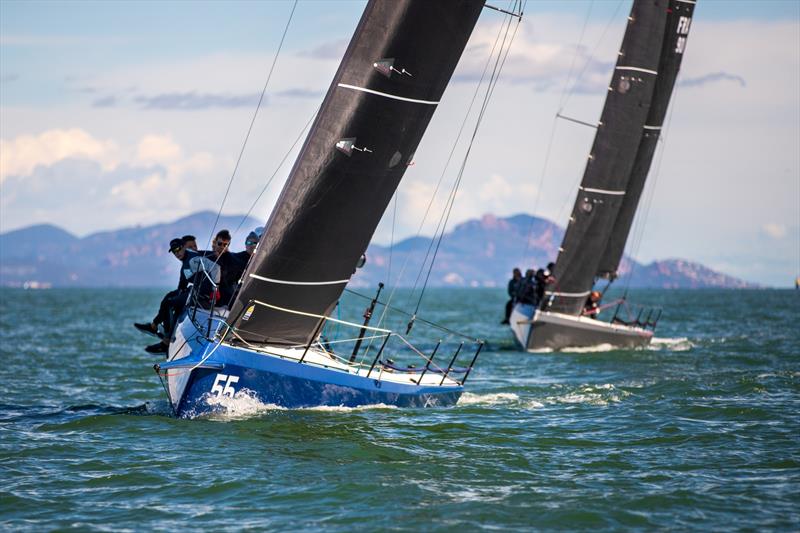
(234,267)
(527,290)
(172,302)
(513,289)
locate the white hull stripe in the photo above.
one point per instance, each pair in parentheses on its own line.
(568,294)
(284,282)
(637,69)
(387,95)
(602,191)
(652,127)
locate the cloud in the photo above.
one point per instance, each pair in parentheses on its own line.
(106,101)
(300,93)
(776,231)
(63,172)
(154,149)
(193,101)
(23,154)
(329,50)
(543,63)
(712,78)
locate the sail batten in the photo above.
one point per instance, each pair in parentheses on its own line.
(379,104)
(605,180)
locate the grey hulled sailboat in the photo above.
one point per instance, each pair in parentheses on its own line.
(617,167)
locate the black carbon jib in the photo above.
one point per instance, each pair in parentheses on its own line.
(612,157)
(679,17)
(383,96)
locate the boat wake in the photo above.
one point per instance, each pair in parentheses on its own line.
(591,349)
(247,405)
(499,398)
(601,395)
(244,405)
(673,344)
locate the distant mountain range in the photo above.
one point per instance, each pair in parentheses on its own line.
(476,253)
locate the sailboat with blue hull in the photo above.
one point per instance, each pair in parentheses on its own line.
(269,344)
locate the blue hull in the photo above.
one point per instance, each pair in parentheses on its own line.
(287,383)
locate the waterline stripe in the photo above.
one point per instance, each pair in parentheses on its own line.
(652,127)
(387,95)
(284,282)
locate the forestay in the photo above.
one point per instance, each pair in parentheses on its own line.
(385,92)
(612,158)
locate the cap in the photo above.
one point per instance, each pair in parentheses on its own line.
(175,245)
(252,238)
(259,231)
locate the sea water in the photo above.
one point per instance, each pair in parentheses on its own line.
(700,430)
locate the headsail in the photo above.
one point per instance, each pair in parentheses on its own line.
(612,157)
(388,85)
(679,19)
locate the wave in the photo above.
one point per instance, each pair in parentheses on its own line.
(673,344)
(591,349)
(247,405)
(600,395)
(498,398)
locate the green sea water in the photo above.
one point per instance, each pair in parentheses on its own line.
(700,431)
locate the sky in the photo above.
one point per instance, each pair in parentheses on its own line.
(115,114)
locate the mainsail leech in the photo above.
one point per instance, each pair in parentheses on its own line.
(351,163)
(612,157)
(679,18)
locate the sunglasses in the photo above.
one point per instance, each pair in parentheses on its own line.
(223,243)
(250,243)
(176,250)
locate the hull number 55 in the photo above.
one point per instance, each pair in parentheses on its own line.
(226,389)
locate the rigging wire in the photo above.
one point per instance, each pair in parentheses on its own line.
(591,56)
(487,98)
(283,160)
(553,126)
(406,313)
(252,122)
(641,220)
(391,240)
(448,202)
(561,103)
(444,170)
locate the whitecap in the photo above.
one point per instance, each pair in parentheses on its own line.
(244,404)
(498,398)
(602,394)
(591,349)
(674,344)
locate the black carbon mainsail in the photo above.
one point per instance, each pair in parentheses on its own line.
(380,102)
(679,19)
(611,160)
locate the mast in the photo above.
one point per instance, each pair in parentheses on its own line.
(679,19)
(611,159)
(377,108)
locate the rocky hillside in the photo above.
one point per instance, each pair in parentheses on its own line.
(478,253)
